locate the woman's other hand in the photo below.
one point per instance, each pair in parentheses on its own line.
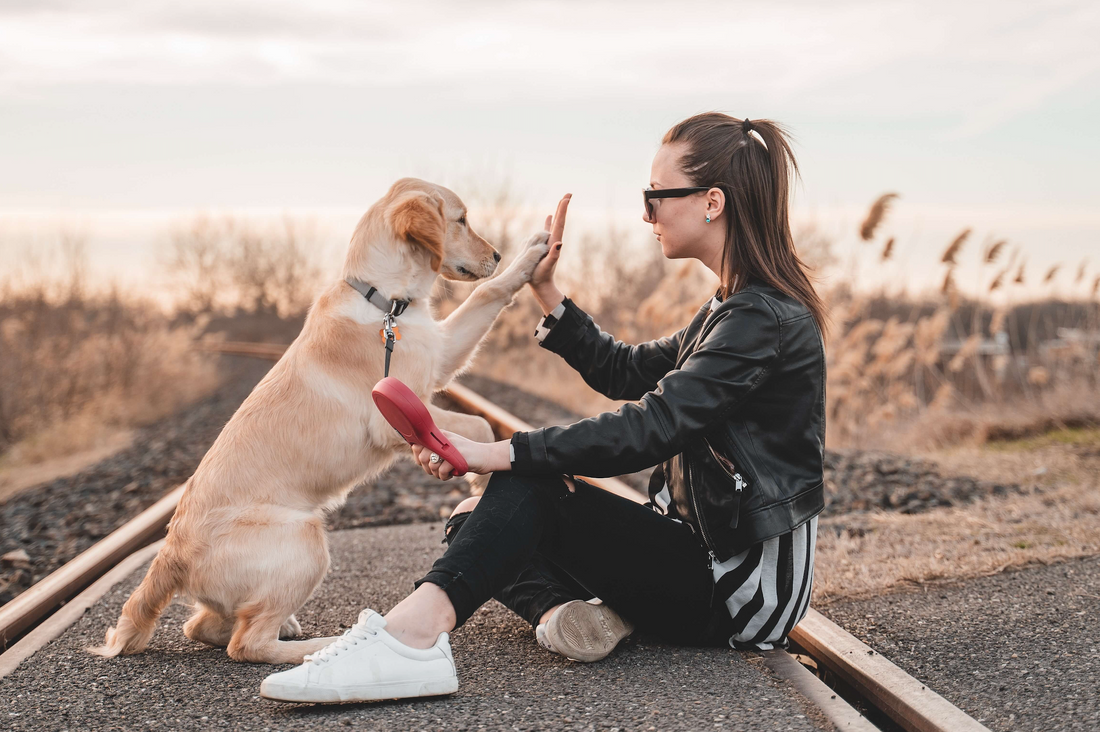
(542,280)
(481,457)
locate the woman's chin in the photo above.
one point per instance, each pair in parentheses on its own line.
(669,252)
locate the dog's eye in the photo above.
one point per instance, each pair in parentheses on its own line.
(462,219)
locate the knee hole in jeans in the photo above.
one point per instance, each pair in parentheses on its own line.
(458,516)
(454,523)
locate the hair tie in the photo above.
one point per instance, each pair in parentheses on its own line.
(746,126)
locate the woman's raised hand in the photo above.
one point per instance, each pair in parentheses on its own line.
(542,280)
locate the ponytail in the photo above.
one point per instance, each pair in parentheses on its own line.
(752,163)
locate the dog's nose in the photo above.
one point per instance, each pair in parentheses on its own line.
(496,256)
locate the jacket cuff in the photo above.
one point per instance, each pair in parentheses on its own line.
(529,453)
(549,321)
(567,329)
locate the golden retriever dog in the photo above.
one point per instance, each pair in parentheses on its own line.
(247,543)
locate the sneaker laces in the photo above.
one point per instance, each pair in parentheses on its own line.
(357,632)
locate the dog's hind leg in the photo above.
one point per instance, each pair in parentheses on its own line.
(256,638)
(290,628)
(209,627)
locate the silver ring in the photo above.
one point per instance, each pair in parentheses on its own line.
(435,458)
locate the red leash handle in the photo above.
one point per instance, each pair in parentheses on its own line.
(407,414)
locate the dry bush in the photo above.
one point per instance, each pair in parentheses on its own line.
(226,265)
(76,364)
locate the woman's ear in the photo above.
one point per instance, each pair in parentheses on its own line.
(417,217)
(716,202)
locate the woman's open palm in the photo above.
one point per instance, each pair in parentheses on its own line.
(543,276)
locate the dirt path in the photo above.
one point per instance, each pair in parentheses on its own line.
(1017,651)
(506,680)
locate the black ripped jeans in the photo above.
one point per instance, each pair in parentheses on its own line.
(532,544)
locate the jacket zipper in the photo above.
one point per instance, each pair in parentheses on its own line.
(691,489)
(699,514)
(729,468)
(739,484)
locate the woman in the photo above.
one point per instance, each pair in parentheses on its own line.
(730,409)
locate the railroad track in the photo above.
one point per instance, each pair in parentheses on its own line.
(892,698)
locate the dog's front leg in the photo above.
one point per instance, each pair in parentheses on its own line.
(465,328)
(470,426)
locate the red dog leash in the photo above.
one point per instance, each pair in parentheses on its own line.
(408,415)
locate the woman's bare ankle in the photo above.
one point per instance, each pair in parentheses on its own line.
(546,615)
(418,620)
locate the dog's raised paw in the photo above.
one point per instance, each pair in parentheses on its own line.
(531,257)
(523,266)
(539,237)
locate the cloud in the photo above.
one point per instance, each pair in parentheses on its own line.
(968,67)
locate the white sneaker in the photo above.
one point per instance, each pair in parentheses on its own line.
(366,664)
(540,636)
(583,631)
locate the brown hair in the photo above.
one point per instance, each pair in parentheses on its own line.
(755,179)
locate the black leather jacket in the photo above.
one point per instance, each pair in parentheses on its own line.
(732,407)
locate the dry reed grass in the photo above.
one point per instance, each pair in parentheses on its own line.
(228,265)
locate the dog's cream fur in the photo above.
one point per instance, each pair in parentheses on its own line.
(247,541)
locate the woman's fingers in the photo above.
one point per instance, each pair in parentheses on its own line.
(559,220)
(549,222)
(422,455)
(442,470)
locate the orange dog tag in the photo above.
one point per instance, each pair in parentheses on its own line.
(396,334)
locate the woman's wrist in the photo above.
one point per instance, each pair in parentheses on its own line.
(548,297)
(500,456)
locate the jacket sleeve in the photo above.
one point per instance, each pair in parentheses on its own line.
(615,369)
(733,359)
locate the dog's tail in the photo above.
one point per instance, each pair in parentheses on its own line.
(139,615)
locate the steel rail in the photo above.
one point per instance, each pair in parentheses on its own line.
(907,701)
(903,698)
(40,599)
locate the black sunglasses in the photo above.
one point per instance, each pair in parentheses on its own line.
(649,194)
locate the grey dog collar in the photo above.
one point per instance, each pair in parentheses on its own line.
(396,307)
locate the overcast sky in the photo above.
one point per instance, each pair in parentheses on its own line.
(978,113)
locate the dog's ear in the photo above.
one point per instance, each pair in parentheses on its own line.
(417,217)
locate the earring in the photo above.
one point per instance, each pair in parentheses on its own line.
(708,218)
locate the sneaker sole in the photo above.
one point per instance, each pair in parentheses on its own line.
(373,692)
(586,632)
